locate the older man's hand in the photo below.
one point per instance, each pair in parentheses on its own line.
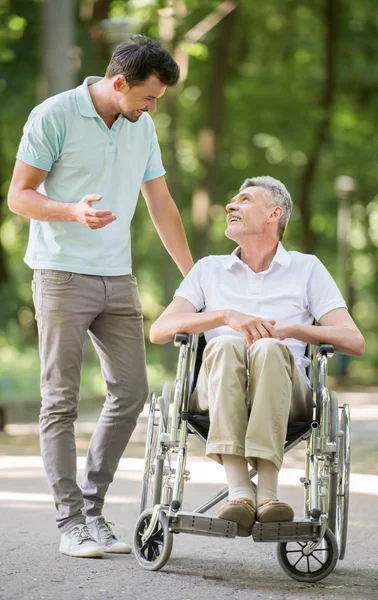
(252,328)
(284,331)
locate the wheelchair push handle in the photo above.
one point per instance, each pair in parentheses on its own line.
(181,338)
(325,350)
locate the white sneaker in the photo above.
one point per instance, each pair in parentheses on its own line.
(101,531)
(79,542)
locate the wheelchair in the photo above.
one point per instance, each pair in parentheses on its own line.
(308,548)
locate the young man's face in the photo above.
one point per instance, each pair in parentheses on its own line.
(132,102)
(247,214)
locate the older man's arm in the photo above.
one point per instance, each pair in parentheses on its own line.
(337,328)
(181,316)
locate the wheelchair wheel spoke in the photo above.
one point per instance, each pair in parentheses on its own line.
(159,542)
(155,550)
(299,559)
(319,561)
(144,548)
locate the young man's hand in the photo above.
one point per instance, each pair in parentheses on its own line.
(90,217)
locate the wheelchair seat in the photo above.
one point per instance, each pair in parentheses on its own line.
(295,429)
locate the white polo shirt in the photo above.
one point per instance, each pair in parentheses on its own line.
(296,288)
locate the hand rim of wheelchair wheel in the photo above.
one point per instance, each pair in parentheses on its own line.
(151,443)
(155,552)
(343,487)
(296,550)
(154,467)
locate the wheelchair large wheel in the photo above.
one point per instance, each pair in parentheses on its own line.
(164,402)
(311,567)
(333,478)
(154,464)
(339,485)
(343,482)
(150,453)
(154,552)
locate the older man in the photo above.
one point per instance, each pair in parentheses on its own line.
(258,305)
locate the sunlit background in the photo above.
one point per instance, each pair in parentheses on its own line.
(287,89)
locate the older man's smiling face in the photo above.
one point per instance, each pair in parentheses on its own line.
(247,214)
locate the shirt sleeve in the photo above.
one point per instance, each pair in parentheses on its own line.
(40,145)
(323,293)
(154,166)
(191,288)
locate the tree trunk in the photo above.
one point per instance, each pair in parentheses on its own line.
(322,135)
(4,272)
(98,11)
(58,42)
(210,134)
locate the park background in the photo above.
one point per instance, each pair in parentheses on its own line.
(286,88)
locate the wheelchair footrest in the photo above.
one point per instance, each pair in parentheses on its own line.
(198,524)
(301,530)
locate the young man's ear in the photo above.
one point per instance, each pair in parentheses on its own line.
(120,84)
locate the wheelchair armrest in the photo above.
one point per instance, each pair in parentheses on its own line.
(181,338)
(325,349)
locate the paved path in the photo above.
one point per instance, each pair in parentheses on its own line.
(31,567)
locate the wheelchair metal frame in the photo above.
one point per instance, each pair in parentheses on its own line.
(321,533)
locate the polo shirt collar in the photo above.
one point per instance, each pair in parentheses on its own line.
(83,98)
(281,257)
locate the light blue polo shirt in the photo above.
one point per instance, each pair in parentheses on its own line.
(65,136)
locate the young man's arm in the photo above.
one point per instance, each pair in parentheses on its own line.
(181,316)
(337,328)
(166,218)
(24,200)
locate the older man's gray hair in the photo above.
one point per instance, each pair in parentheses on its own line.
(277,195)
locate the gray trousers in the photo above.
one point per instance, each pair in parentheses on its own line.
(67,305)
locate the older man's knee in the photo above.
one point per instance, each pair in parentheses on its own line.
(226,343)
(269,348)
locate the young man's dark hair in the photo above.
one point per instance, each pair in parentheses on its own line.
(140,58)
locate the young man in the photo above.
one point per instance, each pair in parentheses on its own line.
(258,306)
(94,144)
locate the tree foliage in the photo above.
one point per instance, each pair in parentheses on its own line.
(280,88)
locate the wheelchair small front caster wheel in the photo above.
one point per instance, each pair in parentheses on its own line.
(305,566)
(153,553)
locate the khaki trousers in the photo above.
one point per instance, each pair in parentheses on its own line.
(250,395)
(68,305)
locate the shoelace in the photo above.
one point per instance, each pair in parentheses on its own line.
(105,529)
(81,532)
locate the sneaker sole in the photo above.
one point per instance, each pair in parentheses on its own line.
(84,554)
(111,551)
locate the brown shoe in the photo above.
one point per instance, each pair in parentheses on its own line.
(271,511)
(242,511)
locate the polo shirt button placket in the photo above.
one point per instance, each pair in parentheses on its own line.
(256,285)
